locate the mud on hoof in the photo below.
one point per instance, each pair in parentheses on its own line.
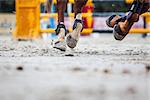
(71,42)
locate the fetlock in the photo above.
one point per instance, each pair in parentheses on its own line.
(59,26)
(76,22)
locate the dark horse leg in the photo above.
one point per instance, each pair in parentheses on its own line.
(123,24)
(61,29)
(61,7)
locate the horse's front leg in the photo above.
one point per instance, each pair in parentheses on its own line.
(73,37)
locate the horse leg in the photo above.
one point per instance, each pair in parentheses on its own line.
(122,25)
(122,28)
(79,4)
(73,37)
(61,29)
(61,7)
(112,20)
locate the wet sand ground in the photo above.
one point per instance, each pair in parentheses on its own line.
(100,68)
